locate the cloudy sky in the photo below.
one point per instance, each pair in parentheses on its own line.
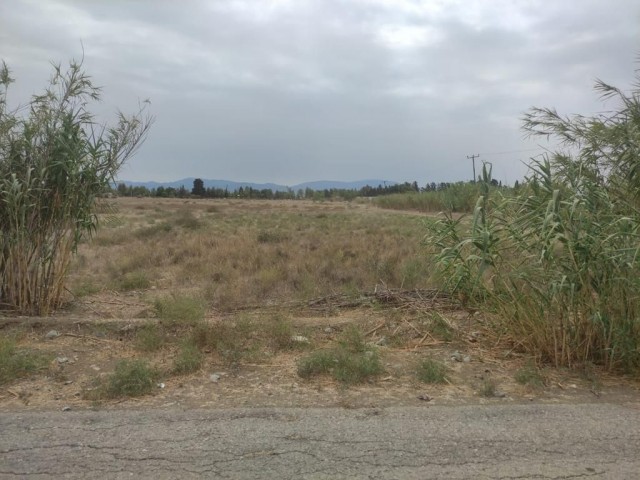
(288,91)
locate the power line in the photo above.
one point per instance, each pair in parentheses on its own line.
(514,151)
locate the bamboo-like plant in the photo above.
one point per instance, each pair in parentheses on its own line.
(559,261)
(55,162)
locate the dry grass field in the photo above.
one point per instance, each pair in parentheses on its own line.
(260,303)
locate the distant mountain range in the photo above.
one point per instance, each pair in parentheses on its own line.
(231,186)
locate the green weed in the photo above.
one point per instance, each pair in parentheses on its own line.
(133,281)
(350,362)
(150,338)
(189,359)
(430,370)
(529,375)
(131,378)
(488,388)
(180,310)
(18,363)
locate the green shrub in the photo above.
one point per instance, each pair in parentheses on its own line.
(180,310)
(488,388)
(189,359)
(350,362)
(529,375)
(353,368)
(150,338)
(430,370)
(279,331)
(133,281)
(131,378)
(16,363)
(441,327)
(316,363)
(270,236)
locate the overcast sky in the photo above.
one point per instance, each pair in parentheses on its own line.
(288,91)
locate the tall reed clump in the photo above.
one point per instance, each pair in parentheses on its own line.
(55,162)
(559,261)
(457,197)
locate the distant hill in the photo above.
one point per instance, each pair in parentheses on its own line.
(231,185)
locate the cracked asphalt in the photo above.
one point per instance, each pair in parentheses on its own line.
(533,441)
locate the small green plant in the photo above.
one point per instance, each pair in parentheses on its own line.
(203,335)
(529,375)
(316,363)
(279,331)
(133,281)
(180,310)
(189,359)
(150,338)
(85,288)
(131,378)
(441,327)
(430,370)
(188,221)
(488,388)
(351,361)
(152,231)
(270,236)
(16,363)
(351,340)
(353,368)
(231,339)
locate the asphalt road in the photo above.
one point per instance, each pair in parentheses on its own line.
(475,442)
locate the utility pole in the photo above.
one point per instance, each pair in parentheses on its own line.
(473,159)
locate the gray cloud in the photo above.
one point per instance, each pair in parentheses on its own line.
(289,91)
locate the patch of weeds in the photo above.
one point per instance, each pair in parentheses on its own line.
(131,378)
(180,310)
(150,338)
(270,236)
(18,363)
(351,361)
(188,221)
(588,372)
(85,289)
(133,281)
(430,370)
(152,231)
(488,388)
(351,340)
(441,328)
(189,359)
(529,375)
(279,331)
(357,368)
(316,363)
(203,335)
(229,342)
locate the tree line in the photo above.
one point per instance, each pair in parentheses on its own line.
(200,191)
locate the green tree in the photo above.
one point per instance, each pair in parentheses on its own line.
(198,188)
(55,162)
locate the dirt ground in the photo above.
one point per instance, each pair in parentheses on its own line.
(87,347)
